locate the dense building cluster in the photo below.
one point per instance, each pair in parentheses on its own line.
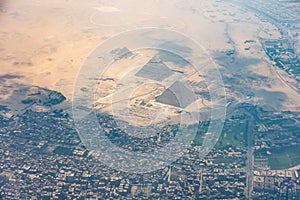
(42,158)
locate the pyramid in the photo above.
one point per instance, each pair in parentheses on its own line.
(177,95)
(121,53)
(155,69)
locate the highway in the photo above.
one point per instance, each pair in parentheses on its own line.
(250,156)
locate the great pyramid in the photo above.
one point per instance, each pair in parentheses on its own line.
(177,95)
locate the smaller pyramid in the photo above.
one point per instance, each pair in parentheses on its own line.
(177,95)
(121,53)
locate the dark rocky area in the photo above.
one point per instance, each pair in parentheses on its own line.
(42,96)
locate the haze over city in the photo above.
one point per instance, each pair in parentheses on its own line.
(149,99)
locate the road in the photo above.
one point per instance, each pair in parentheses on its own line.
(250,156)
